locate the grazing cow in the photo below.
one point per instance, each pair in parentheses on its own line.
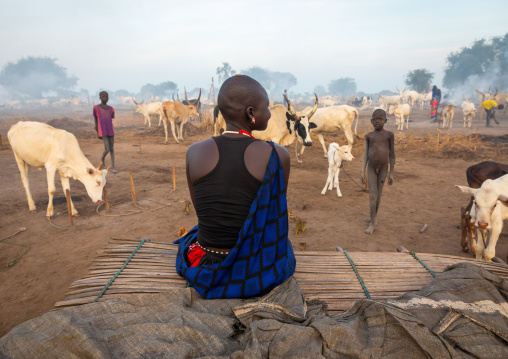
(180,114)
(400,112)
(336,155)
(447,116)
(490,209)
(147,109)
(476,175)
(282,124)
(125,100)
(40,145)
(469,112)
(330,120)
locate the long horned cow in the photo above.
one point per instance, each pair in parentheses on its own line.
(177,113)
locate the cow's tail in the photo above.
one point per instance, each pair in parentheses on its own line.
(357,119)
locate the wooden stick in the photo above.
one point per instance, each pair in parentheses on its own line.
(424,228)
(476,139)
(132,188)
(69,209)
(1,144)
(106,199)
(174,180)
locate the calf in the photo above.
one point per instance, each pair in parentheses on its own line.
(447,115)
(490,209)
(469,111)
(400,112)
(336,155)
(40,145)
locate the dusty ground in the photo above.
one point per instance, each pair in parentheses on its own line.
(423,193)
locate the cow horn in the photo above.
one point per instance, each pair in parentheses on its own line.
(291,110)
(134,101)
(314,109)
(100,167)
(397,89)
(496,92)
(186,99)
(177,97)
(490,91)
(173,97)
(197,101)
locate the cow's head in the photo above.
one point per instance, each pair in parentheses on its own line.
(94,181)
(192,107)
(300,124)
(487,199)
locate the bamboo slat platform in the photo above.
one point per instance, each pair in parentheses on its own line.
(322,275)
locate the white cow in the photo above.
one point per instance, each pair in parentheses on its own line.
(40,145)
(424,97)
(147,109)
(336,155)
(330,120)
(469,112)
(125,100)
(400,112)
(386,101)
(490,209)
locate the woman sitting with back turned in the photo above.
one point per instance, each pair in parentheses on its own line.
(240,247)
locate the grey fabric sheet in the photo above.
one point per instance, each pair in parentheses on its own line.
(462,313)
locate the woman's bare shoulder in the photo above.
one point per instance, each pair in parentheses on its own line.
(201,146)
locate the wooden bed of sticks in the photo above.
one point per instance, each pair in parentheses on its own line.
(328,276)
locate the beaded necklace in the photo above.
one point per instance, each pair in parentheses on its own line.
(242,132)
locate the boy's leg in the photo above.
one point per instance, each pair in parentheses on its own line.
(488,117)
(381,178)
(373,198)
(112,151)
(105,140)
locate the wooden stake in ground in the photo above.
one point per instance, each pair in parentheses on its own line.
(106,199)
(437,146)
(132,188)
(476,139)
(1,144)
(69,208)
(174,180)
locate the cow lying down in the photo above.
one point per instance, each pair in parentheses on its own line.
(489,210)
(39,145)
(336,154)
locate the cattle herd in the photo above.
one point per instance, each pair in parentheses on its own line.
(40,145)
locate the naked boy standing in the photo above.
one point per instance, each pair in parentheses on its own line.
(378,157)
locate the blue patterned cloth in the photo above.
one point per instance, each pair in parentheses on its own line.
(261,259)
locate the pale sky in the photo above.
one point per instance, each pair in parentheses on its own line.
(126,44)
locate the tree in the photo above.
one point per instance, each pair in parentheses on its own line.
(483,60)
(274,82)
(33,77)
(320,90)
(419,80)
(225,72)
(345,86)
(164,89)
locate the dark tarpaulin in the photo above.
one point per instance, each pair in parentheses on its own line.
(462,313)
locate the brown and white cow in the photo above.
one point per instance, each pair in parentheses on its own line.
(447,116)
(39,145)
(489,210)
(177,113)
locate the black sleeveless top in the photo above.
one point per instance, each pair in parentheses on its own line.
(223,197)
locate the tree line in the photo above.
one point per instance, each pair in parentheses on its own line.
(39,77)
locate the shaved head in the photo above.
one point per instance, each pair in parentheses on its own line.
(379,112)
(238,93)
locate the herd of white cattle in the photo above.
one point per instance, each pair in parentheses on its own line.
(39,145)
